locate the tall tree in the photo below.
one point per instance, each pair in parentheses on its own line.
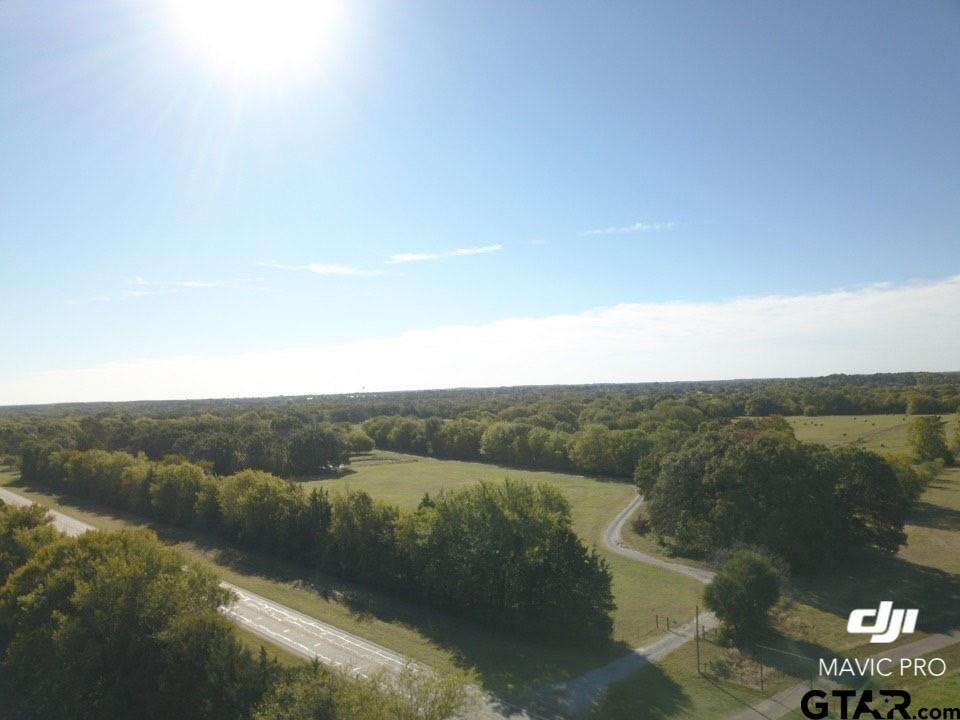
(928,439)
(741,595)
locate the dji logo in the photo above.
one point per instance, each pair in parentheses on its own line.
(888,625)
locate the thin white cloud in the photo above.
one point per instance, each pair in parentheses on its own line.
(459,252)
(159,286)
(637,227)
(88,301)
(881,328)
(476,250)
(195,284)
(328,269)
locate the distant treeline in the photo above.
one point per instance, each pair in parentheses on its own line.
(501,554)
(616,430)
(881,393)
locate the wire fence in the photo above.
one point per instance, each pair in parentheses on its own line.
(760,667)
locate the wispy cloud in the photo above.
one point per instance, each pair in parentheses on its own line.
(158,286)
(88,301)
(327,269)
(880,328)
(196,284)
(459,252)
(637,227)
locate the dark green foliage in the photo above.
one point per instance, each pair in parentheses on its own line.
(23,531)
(741,595)
(113,625)
(760,487)
(507,552)
(619,430)
(317,449)
(503,554)
(319,693)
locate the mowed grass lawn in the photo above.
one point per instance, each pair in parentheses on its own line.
(642,591)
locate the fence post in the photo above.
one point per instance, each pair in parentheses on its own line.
(696,634)
(761,670)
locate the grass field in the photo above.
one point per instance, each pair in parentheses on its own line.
(880,433)
(642,592)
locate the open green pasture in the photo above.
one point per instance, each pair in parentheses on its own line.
(880,433)
(642,592)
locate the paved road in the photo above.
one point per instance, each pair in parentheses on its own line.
(65,524)
(308,637)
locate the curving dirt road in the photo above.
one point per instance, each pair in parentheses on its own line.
(611,540)
(577,697)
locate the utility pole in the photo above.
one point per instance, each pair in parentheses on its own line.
(761,670)
(696,621)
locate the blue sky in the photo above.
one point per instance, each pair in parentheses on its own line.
(155,206)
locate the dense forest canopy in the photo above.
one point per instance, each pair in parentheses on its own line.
(614,430)
(116,625)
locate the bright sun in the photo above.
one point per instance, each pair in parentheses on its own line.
(260,38)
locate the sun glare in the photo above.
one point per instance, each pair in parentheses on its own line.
(259,38)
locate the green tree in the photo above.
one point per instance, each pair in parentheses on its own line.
(359,441)
(23,531)
(113,625)
(928,439)
(317,449)
(741,595)
(319,693)
(173,492)
(749,486)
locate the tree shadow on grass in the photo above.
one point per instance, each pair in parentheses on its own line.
(648,694)
(870,577)
(507,666)
(790,656)
(935,516)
